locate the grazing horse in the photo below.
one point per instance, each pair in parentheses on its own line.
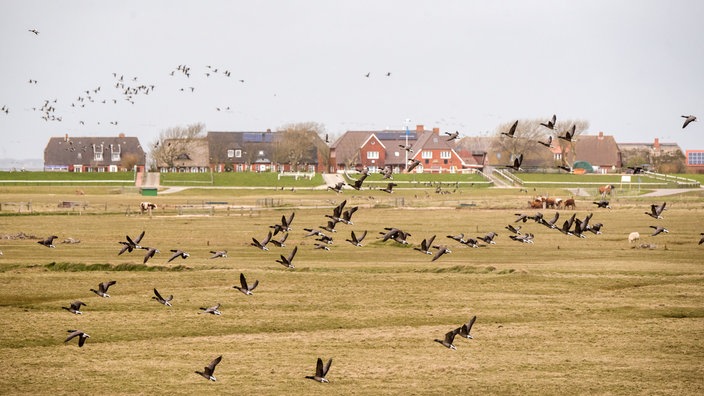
(146,207)
(603,190)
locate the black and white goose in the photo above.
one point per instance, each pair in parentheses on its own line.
(466,329)
(551,122)
(512,131)
(208,370)
(337,187)
(447,342)
(515,230)
(656,211)
(459,237)
(287,261)
(347,215)
(321,371)
(552,222)
(442,250)
(82,337)
(595,228)
(357,184)
(150,253)
(280,242)
(356,240)
(547,144)
(48,242)
(75,307)
(516,163)
(569,135)
(166,301)
(178,253)
(658,230)
(214,310)
(103,288)
(452,135)
(602,204)
(425,245)
(488,238)
(389,188)
(262,245)
(244,288)
(688,119)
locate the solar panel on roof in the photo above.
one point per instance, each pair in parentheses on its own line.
(395,135)
(257,137)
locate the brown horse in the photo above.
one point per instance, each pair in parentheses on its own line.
(604,190)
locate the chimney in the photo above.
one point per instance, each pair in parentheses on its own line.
(656,144)
(66,137)
(420,128)
(436,131)
(121,135)
(601,135)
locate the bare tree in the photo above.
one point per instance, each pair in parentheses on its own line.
(299,142)
(164,152)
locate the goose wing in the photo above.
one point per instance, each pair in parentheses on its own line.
(210,369)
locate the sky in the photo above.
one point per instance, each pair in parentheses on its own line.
(630,68)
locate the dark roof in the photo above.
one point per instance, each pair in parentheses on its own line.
(81,150)
(256,147)
(598,150)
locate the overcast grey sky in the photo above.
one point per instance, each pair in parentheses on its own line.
(631,68)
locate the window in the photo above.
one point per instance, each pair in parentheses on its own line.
(426,154)
(98,156)
(695,158)
(230,153)
(396,153)
(115,152)
(445,155)
(558,156)
(372,155)
(238,153)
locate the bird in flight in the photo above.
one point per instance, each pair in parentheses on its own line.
(512,130)
(569,135)
(321,371)
(688,119)
(35,31)
(77,333)
(208,370)
(551,123)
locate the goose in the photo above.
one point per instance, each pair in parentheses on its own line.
(516,163)
(522,217)
(312,232)
(602,204)
(489,238)
(103,288)
(688,119)
(547,144)
(261,245)
(579,229)
(325,239)
(406,147)
(288,261)
(551,123)
(321,371)
(218,254)
(389,188)
(82,336)
(550,223)
(75,307)
(656,211)
(658,230)
(166,301)
(566,228)
(135,243)
(330,226)
(347,215)
(387,173)
(471,242)
(337,187)
(527,238)
(595,228)
(336,215)
(441,251)
(395,234)
(702,239)
(321,246)
(178,253)
(150,253)
(208,370)
(465,329)
(459,237)
(412,163)
(357,185)
(569,135)
(515,230)
(565,167)
(244,288)
(355,240)
(452,135)
(511,130)
(214,310)
(449,338)
(280,242)
(636,169)
(425,245)
(48,242)
(286,222)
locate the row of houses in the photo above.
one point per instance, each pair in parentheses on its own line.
(279,151)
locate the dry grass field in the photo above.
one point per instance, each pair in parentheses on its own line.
(561,316)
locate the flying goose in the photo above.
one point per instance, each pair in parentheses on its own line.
(449,338)
(356,241)
(688,119)
(511,130)
(178,253)
(150,253)
(285,225)
(330,226)
(602,204)
(523,217)
(103,288)
(489,238)
(336,215)
(337,187)
(452,135)
(412,163)
(566,228)
(389,188)
(82,336)
(208,370)
(261,245)
(702,239)
(516,163)
(579,229)
(547,144)
(357,185)
(48,242)
(288,261)
(312,232)
(551,123)
(166,301)
(565,167)
(515,230)
(465,329)
(471,242)
(406,147)
(550,223)
(395,234)
(218,254)
(527,238)
(131,245)
(595,228)
(425,245)
(321,246)
(387,173)
(441,250)
(658,230)
(243,286)
(75,307)
(656,211)
(569,135)
(321,371)
(214,310)
(280,242)
(459,237)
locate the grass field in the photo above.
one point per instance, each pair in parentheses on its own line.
(562,316)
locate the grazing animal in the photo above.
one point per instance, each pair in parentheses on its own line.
(688,119)
(103,288)
(214,310)
(633,237)
(656,211)
(146,207)
(569,203)
(321,371)
(658,230)
(166,301)
(75,307)
(82,336)
(551,122)
(208,370)
(606,190)
(355,240)
(465,329)
(449,338)
(288,261)
(244,288)
(48,242)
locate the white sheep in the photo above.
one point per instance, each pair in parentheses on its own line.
(633,237)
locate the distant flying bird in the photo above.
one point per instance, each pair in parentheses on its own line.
(465,329)
(208,370)
(515,230)
(388,74)
(75,307)
(551,123)
(321,371)
(48,242)
(412,163)
(511,130)
(489,238)
(35,31)
(357,184)
(82,336)
(517,163)
(214,310)
(244,288)
(452,135)
(547,144)
(367,75)
(166,301)
(178,253)
(337,187)
(218,254)
(389,188)
(565,167)
(103,288)
(150,253)
(425,245)
(688,119)
(355,240)
(656,211)
(602,204)
(288,261)
(261,245)
(441,251)
(408,147)
(569,135)
(658,230)
(280,242)
(449,338)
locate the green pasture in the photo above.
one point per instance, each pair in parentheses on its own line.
(66,178)
(561,316)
